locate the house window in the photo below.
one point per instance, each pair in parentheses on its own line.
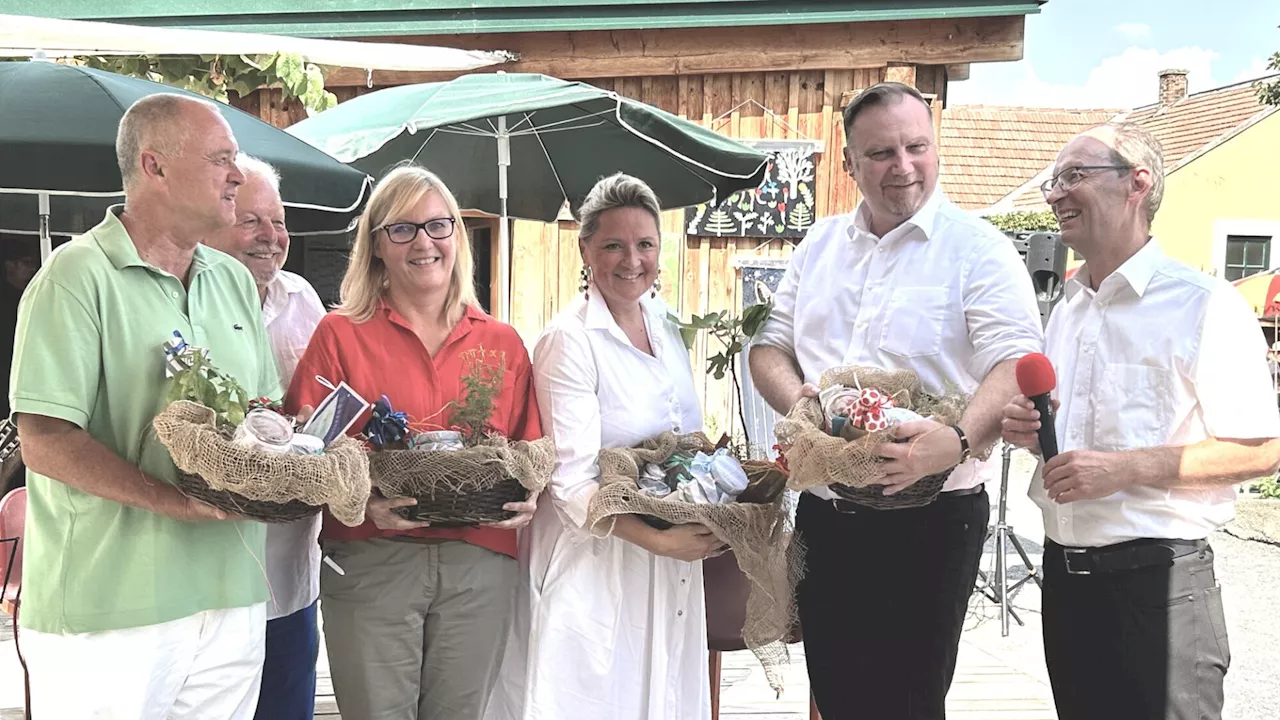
(1247,255)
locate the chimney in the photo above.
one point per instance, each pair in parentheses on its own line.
(1173,86)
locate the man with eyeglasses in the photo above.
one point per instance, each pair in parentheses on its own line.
(291,309)
(1165,404)
(907,281)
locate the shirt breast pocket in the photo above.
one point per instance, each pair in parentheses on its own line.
(913,321)
(1132,409)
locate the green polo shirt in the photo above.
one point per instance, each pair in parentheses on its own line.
(89,351)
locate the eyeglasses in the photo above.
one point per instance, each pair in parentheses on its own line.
(1071,177)
(404,232)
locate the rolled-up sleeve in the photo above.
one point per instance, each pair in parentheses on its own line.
(779,329)
(1000,308)
(1232,384)
(565,380)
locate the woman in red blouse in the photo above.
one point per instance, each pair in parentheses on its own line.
(416,622)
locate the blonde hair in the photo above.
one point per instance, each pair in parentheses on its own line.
(365,282)
(610,193)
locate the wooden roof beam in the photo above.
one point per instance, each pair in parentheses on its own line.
(695,51)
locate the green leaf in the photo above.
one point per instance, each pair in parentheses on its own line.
(689,335)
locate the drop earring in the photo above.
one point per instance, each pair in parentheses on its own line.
(657,284)
(584,281)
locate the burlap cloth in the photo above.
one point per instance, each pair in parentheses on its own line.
(759,534)
(474,470)
(338,478)
(817,458)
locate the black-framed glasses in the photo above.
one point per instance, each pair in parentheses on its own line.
(404,232)
(1069,178)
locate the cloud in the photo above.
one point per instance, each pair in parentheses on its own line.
(1257,68)
(1134,31)
(1127,80)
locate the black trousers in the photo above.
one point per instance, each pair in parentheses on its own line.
(1142,644)
(883,602)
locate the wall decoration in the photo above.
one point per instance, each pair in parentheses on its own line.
(781,207)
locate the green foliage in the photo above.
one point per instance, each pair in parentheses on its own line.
(733,333)
(204,384)
(1268,488)
(1025,221)
(481,386)
(1269,92)
(216,75)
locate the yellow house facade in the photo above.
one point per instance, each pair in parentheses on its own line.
(1221,209)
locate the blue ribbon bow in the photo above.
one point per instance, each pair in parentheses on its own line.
(386,425)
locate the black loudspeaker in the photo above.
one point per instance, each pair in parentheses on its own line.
(1046,259)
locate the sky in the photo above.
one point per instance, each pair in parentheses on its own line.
(1107,53)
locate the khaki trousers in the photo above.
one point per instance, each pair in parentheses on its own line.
(415,630)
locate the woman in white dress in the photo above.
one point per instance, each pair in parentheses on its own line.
(609,627)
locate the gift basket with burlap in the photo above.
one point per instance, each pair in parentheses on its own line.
(462,475)
(754,524)
(244,457)
(831,440)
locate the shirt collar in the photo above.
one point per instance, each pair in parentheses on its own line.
(114,241)
(1137,271)
(924,219)
(598,316)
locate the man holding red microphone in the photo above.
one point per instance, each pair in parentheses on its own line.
(1163,404)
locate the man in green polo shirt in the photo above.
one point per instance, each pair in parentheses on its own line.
(138,602)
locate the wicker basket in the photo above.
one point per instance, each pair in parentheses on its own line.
(919,494)
(262,510)
(765,482)
(475,492)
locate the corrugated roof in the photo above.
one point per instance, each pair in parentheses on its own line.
(400,18)
(988,152)
(1186,130)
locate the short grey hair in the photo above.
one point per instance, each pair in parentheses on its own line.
(250,165)
(613,192)
(1134,148)
(884,93)
(154,122)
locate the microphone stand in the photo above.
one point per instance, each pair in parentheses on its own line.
(1002,592)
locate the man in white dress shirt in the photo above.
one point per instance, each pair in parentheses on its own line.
(1165,403)
(906,281)
(291,309)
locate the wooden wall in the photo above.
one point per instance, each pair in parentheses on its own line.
(700,274)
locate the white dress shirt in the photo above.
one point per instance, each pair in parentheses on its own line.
(1160,355)
(944,294)
(602,627)
(291,311)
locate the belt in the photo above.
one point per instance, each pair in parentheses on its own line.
(849,507)
(1130,555)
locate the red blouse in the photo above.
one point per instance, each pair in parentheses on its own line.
(384,357)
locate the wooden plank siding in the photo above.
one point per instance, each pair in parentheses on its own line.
(802,105)
(699,273)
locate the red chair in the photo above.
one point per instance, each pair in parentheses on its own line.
(726,590)
(13,518)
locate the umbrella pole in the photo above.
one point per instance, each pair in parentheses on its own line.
(504,237)
(46,240)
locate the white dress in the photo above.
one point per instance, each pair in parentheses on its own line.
(602,628)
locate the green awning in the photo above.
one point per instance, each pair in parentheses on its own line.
(400,18)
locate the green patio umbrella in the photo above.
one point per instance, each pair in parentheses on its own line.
(58,169)
(514,144)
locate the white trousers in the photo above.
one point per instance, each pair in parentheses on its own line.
(208,665)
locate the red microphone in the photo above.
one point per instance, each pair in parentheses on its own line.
(1036,380)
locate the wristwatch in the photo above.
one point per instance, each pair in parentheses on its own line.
(964,445)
